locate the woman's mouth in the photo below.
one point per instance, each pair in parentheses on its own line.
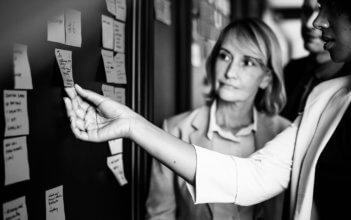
(328,42)
(227,85)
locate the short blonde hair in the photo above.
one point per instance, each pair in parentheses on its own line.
(254,35)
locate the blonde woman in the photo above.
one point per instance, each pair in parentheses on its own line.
(244,71)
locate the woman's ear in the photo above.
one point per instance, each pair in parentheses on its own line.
(266,80)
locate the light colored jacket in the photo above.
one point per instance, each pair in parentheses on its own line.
(291,156)
(168,196)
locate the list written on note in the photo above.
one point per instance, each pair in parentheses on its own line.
(15,209)
(16,113)
(16,160)
(64,60)
(119,36)
(54,204)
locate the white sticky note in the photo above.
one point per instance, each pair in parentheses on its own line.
(64,60)
(121,68)
(54,204)
(23,77)
(107,32)
(73,27)
(121,10)
(116,146)
(110,66)
(111,6)
(120,94)
(163,11)
(108,91)
(56,29)
(119,36)
(114,93)
(16,160)
(15,209)
(16,113)
(115,163)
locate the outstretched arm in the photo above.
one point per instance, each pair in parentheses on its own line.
(97,118)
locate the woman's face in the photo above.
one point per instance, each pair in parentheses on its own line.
(336,32)
(239,73)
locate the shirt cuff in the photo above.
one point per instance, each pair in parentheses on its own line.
(215,178)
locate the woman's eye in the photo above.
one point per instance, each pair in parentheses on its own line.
(248,63)
(224,56)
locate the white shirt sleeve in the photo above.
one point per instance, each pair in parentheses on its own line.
(244,181)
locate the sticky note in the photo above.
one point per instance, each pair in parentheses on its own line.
(16,160)
(115,163)
(111,6)
(15,209)
(119,36)
(121,10)
(121,68)
(64,60)
(114,93)
(73,27)
(163,11)
(110,66)
(107,32)
(54,204)
(23,77)
(116,146)
(56,29)
(16,113)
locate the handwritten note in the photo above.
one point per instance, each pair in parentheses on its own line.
(107,32)
(119,36)
(64,60)
(110,66)
(121,68)
(16,113)
(73,27)
(115,163)
(121,10)
(114,93)
(54,204)
(56,29)
(23,77)
(16,160)
(15,209)
(116,146)
(111,6)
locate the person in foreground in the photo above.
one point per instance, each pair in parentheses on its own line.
(244,71)
(312,154)
(303,74)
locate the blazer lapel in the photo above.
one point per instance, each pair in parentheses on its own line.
(200,125)
(326,125)
(316,103)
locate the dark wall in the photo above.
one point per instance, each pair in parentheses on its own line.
(55,156)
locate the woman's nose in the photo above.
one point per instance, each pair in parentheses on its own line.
(321,21)
(232,70)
